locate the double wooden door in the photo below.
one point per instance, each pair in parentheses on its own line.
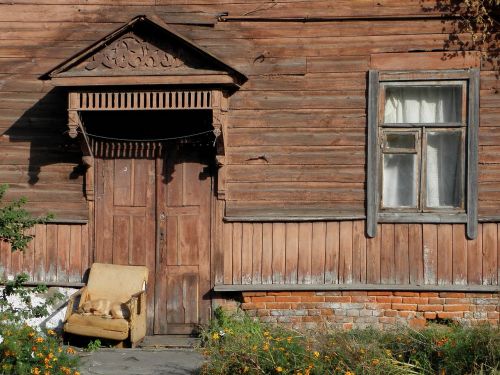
(154,210)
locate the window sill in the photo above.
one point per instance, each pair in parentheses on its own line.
(408,217)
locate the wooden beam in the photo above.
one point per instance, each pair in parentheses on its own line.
(213,79)
(364,287)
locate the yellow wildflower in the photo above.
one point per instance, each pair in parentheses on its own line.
(349,373)
(266,346)
(215,336)
(289,339)
(76,373)
(31,334)
(246,369)
(316,354)
(51,332)
(266,333)
(35,371)
(279,369)
(375,362)
(388,352)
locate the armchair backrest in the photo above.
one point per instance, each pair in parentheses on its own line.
(116,282)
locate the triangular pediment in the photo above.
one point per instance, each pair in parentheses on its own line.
(146,48)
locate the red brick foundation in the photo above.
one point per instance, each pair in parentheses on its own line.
(378,309)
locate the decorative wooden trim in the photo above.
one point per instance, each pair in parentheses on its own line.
(421,217)
(353,287)
(220,108)
(472,154)
(139,100)
(372,152)
(424,75)
(68,221)
(196,79)
(281,218)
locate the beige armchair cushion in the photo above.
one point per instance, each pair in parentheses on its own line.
(116,283)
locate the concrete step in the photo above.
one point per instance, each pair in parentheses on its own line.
(169,341)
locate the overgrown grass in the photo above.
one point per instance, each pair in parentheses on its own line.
(237,344)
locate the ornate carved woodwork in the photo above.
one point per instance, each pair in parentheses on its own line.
(142,100)
(132,51)
(216,100)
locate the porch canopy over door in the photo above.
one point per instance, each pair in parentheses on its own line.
(146,66)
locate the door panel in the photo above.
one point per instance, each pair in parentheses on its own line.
(125,216)
(184,224)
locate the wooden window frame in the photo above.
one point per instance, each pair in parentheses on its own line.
(467,213)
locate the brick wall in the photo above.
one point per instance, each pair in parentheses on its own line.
(377,309)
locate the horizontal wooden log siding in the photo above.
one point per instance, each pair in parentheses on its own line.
(58,254)
(328,253)
(297,128)
(296,139)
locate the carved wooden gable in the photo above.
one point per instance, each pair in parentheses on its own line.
(145,48)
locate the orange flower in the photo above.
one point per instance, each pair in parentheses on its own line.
(39,339)
(70,351)
(35,371)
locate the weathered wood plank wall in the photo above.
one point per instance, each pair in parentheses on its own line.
(340,253)
(296,137)
(58,253)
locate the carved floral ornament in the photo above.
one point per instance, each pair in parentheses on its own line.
(130,51)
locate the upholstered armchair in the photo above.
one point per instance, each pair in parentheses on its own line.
(119,284)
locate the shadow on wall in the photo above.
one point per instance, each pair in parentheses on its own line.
(37,141)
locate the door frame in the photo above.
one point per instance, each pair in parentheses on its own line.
(99,99)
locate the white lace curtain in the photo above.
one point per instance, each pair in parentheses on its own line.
(420,104)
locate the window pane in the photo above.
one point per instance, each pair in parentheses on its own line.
(400,140)
(444,176)
(423,104)
(399,180)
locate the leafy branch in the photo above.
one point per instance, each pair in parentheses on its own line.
(15,221)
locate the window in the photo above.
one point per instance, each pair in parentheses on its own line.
(422,148)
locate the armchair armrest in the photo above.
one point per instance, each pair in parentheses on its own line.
(136,303)
(82,293)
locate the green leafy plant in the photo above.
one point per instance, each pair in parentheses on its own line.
(24,349)
(15,220)
(93,345)
(238,344)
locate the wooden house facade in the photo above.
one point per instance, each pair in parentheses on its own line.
(314,161)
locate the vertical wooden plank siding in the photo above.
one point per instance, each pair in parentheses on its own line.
(415,254)
(279,240)
(257,254)
(373,253)
(341,252)
(292,253)
(57,253)
(305,248)
(445,253)
(332,248)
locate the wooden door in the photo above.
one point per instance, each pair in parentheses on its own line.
(183,277)
(154,210)
(125,222)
